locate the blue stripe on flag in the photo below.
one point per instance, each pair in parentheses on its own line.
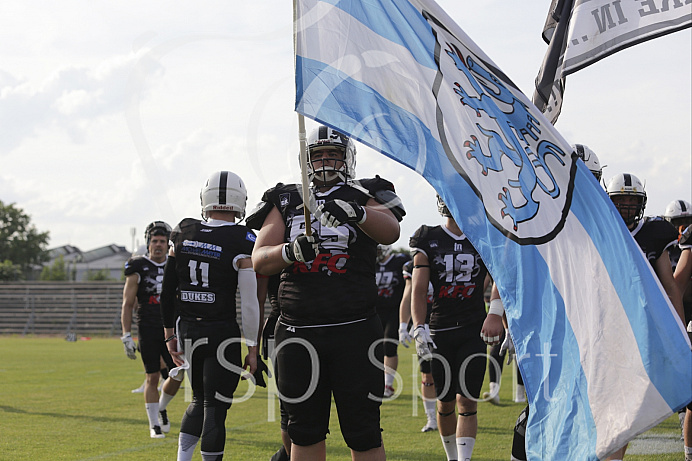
(612,246)
(381,23)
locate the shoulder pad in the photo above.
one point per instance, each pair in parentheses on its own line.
(420,234)
(392,201)
(257,216)
(375,184)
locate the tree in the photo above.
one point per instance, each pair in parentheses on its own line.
(56,271)
(98,275)
(20,242)
(9,272)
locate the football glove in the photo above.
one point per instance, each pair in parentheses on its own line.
(338,212)
(303,248)
(424,342)
(129,345)
(405,337)
(507,346)
(261,368)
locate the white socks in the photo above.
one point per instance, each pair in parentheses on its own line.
(430,407)
(164,399)
(448,442)
(152,413)
(465,448)
(389,379)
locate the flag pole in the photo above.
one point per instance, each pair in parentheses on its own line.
(302,139)
(304,173)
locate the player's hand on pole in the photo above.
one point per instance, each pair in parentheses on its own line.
(338,212)
(303,248)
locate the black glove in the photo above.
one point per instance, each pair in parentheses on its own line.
(303,248)
(338,212)
(267,334)
(261,367)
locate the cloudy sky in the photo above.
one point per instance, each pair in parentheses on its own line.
(113,114)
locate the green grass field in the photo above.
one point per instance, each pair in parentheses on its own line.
(64,400)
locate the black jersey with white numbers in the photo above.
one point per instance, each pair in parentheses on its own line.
(206,255)
(457,274)
(389,277)
(339,284)
(150,276)
(654,235)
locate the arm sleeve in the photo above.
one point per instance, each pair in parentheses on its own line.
(168,289)
(249,306)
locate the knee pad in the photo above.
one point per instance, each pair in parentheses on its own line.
(363,441)
(427,384)
(445,414)
(468,413)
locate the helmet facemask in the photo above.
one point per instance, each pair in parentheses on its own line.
(631,212)
(627,185)
(336,169)
(383,252)
(331,170)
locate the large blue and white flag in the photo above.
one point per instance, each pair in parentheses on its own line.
(603,355)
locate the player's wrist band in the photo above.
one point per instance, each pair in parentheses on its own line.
(496,307)
(171,338)
(365,216)
(284,254)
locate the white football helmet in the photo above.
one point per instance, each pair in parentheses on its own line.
(223,191)
(383,252)
(590,159)
(679,213)
(156,228)
(324,137)
(626,184)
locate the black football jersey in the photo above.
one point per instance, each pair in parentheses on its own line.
(205,253)
(654,235)
(148,289)
(389,277)
(339,284)
(457,274)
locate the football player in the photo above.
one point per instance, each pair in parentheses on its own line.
(390,288)
(143,276)
(427,385)
(208,262)
(327,296)
(443,256)
(653,234)
(682,275)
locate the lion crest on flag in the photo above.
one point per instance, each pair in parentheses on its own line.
(500,133)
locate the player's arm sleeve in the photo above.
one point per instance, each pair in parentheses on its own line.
(249,305)
(168,290)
